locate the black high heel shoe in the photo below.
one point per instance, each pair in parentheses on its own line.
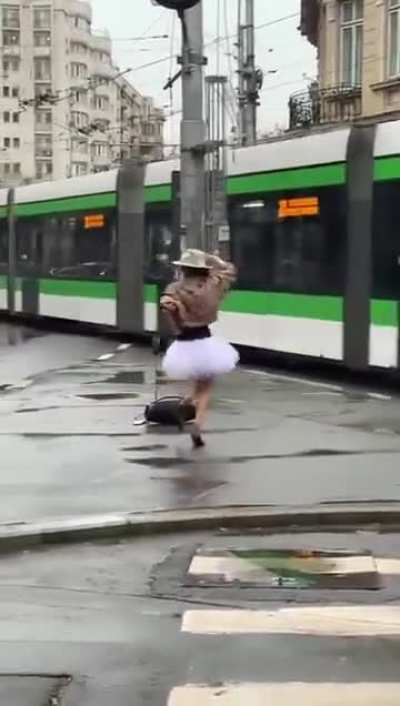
(197,439)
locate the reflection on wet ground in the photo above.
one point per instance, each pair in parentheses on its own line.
(14,334)
(285,569)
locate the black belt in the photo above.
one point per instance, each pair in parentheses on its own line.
(195,333)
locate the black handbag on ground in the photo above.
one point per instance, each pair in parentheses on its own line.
(170,411)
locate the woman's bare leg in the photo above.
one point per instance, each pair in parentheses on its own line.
(203,391)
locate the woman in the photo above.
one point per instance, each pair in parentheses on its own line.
(191,304)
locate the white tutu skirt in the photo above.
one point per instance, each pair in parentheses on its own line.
(200,359)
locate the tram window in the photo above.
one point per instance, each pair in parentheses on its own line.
(81,246)
(3,245)
(290,242)
(161,247)
(386,241)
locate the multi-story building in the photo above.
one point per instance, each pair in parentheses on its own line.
(65,108)
(358,44)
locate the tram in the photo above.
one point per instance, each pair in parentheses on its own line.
(314,233)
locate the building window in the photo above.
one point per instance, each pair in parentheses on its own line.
(351,41)
(79,169)
(42,17)
(42,39)
(11,64)
(43,90)
(15,117)
(394,37)
(10,17)
(11,38)
(7,168)
(6,91)
(101,103)
(43,117)
(17,168)
(6,116)
(79,119)
(78,48)
(15,92)
(78,70)
(43,146)
(16,143)
(80,96)
(44,169)
(42,68)
(7,142)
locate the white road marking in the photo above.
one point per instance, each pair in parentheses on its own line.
(124,347)
(388,566)
(299,694)
(106,356)
(290,378)
(341,621)
(233,568)
(377,396)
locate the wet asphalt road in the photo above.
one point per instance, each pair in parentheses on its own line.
(94,625)
(68,444)
(109,618)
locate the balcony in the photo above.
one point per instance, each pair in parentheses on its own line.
(322,106)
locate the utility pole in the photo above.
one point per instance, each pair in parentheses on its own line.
(193,129)
(193,132)
(249,76)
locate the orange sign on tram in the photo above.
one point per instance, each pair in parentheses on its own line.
(294,208)
(97,220)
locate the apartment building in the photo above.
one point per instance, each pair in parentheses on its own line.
(65,108)
(358,44)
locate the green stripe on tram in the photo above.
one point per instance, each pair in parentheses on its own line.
(304,177)
(90,290)
(386,168)
(384,312)
(78,288)
(304,306)
(153,194)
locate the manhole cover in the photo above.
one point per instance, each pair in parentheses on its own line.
(32,690)
(283,569)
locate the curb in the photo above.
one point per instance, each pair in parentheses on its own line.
(24,535)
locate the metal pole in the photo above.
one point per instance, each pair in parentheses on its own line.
(251,86)
(248,89)
(121,129)
(193,132)
(241,65)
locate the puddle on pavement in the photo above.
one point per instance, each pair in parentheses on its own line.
(152,447)
(163,462)
(125,377)
(284,569)
(32,410)
(105,396)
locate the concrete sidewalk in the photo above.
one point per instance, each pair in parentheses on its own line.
(69,448)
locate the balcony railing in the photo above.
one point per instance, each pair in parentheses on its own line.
(319,106)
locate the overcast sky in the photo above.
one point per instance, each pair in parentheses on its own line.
(279,46)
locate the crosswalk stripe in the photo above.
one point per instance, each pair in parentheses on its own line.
(324,694)
(345,621)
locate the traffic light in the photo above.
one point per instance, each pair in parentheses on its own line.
(179,5)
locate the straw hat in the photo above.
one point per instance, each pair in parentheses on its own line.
(196,259)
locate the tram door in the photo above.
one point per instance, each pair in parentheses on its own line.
(131,208)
